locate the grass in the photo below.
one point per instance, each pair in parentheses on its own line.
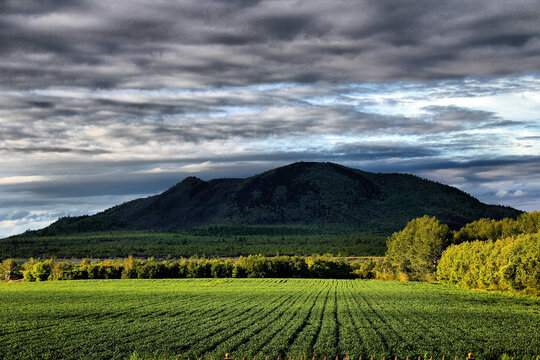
(112,319)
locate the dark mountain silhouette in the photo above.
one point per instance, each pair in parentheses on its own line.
(303,193)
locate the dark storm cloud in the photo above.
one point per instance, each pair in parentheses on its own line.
(160,43)
(30,149)
(520,166)
(14,215)
(370,157)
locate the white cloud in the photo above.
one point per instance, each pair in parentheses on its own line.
(22,179)
(518,193)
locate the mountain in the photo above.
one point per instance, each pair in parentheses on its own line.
(303,193)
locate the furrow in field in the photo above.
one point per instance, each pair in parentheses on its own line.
(74,322)
(163,331)
(57,340)
(144,331)
(336,318)
(208,342)
(263,330)
(94,317)
(369,326)
(122,328)
(306,335)
(223,334)
(281,343)
(101,320)
(320,320)
(326,345)
(351,343)
(420,338)
(386,324)
(276,339)
(221,319)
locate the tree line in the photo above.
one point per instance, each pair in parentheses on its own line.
(485,254)
(253,266)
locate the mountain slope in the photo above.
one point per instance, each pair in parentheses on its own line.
(298,194)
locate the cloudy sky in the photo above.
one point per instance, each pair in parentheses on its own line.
(105,101)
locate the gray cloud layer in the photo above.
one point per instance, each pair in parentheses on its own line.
(162,44)
(103,101)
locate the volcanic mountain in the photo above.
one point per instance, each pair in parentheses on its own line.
(303,193)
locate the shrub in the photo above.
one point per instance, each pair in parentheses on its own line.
(364,269)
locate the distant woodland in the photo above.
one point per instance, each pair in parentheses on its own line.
(207,241)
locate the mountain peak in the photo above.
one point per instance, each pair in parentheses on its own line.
(302,193)
(191,180)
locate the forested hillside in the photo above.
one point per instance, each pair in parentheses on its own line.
(299,194)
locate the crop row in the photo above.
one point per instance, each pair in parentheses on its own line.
(261,317)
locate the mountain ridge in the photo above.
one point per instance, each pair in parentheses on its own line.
(302,193)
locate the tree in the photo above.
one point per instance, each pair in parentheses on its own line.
(415,251)
(9,270)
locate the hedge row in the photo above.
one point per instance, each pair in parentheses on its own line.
(253,266)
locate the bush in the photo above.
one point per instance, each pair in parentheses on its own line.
(365,269)
(130,270)
(222,269)
(63,271)
(335,269)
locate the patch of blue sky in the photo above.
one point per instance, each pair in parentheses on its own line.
(325,100)
(499,96)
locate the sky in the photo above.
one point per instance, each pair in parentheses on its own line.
(106,101)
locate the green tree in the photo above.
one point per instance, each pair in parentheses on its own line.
(9,270)
(130,266)
(415,251)
(511,264)
(222,269)
(529,223)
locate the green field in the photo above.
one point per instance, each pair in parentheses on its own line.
(103,319)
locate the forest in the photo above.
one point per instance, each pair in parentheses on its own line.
(205,241)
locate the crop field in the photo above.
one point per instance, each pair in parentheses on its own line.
(103,319)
